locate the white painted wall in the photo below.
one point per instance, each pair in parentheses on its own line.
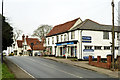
(97,40)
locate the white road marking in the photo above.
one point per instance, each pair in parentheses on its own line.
(56,68)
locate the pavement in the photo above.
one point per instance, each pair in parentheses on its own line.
(17,71)
(85,65)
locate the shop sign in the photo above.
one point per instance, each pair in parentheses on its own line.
(68,43)
(88,50)
(86,39)
(86,55)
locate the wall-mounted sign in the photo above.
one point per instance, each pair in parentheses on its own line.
(88,50)
(86,39)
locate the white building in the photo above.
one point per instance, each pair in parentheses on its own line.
(119,22)
(86,38)
(54,36)
(25,48)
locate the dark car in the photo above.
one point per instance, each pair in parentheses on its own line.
(37,54)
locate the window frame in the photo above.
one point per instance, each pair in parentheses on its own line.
(106,35)
(98,47)
(73,35)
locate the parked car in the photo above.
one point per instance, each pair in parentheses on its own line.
(37,54)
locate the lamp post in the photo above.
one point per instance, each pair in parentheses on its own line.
(113,34)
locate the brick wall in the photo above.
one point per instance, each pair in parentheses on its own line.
(99,63)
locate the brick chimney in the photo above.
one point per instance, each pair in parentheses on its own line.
(26,36)
(23,37)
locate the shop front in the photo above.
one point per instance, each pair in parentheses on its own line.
(68,49)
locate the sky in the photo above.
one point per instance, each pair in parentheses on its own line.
(28,15)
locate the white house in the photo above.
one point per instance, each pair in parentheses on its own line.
(54,36)
(86,38)
(28,46)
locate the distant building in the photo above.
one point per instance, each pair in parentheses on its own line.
(24,46)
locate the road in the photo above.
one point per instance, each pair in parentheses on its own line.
(43,68)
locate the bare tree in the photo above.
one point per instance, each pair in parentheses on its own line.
(16,33)
(41,31)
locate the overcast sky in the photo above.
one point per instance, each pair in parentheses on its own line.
(27,15)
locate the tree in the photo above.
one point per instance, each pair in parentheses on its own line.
(16,34)
(42,31)
(7,35)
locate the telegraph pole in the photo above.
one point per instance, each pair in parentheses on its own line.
(1,36)
(113,35)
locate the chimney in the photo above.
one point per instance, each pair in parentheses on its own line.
(23,37)
(26,36)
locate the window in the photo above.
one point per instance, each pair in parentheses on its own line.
(68,36)
(88,47)
(73,35)
(61,38)
(116,48)
(48,41)
(25,47)
(57,39)
(65,37)
(106,47)
(117,35)
(98,47)
(105,35)
(45,41)
(52,40)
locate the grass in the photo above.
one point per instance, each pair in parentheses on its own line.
(6,74)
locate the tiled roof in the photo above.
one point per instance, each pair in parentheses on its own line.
(37,44)
(92,25)
(62,27)
(19,43)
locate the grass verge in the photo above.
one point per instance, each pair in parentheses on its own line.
(6,74)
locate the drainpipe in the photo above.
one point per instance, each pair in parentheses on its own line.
(81,42)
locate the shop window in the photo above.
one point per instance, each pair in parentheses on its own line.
(98,47)
(106,47)
(73,35)
(88,47)
(52,40)
(105,35)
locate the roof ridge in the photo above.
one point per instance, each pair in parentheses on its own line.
(62,27)
(68,22)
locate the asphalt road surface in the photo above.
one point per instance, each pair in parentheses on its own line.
(43,68)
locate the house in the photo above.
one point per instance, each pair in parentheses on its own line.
(28,46)
(51,38)
(86,38)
